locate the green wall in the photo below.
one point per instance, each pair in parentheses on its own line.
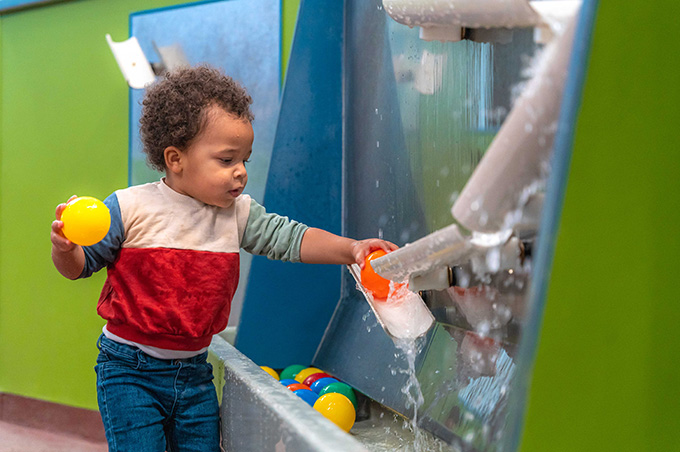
(64,131)
(606,374)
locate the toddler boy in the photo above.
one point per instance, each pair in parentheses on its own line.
(172,258)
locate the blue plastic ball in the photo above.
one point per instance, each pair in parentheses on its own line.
(307,395)
(321,383)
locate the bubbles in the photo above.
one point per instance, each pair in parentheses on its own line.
(453,197)
(490,240)
(493,259)
(405,236)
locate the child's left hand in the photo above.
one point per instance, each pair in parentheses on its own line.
(362,248)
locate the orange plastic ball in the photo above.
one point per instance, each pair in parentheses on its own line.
(373,282)
(296,386)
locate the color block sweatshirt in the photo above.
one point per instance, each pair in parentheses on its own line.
(173,264)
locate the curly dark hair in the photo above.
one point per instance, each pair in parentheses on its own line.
(174,108)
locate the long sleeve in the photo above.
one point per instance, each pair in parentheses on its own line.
(102,254)
(272,235)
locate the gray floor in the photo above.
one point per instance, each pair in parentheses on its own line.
(16,438)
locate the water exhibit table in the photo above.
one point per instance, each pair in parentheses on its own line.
(402,120)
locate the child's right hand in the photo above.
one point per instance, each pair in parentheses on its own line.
(59,241)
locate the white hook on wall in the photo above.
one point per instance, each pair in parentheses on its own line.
(133,64)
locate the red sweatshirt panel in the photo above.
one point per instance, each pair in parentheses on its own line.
(169,298)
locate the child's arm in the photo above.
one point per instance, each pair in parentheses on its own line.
(322,247)
(68,257)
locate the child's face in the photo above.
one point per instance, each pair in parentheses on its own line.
(213,166)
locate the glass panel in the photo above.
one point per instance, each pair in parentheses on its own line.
(419,118)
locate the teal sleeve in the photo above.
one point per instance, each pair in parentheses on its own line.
(272,235)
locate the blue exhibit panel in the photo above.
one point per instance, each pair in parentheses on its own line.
(11,5)
(288,306)
(241,37)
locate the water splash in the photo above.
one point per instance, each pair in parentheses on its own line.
(412,390)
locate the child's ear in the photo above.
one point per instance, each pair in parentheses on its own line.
(173,159)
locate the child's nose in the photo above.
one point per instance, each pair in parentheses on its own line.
(240,170)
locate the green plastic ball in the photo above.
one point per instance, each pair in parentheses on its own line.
(341,388)
(291,371)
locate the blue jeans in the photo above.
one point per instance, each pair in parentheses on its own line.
(155,405)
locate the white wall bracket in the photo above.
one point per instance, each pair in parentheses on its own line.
(132,62)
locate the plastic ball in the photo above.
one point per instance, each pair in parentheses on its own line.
(295,386)
(373,282)
(338,409)
(270,371)
(321,383)
(307,395)
(86,220)
(288,381)
(304,373)
(341,388)
(291,371)
(312,378)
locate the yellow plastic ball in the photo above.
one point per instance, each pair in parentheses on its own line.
(270,371)
(338,409)
(304,373)
(86,220)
